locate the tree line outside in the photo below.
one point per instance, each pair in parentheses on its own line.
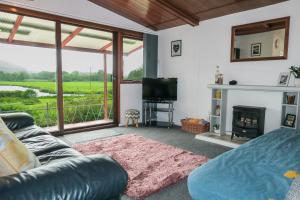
(67,76)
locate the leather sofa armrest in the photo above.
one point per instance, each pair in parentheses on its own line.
(92,177)
(16,121)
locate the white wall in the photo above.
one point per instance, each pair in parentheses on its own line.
(131,98)
(208,45)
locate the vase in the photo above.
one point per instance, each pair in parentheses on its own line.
(297,82)
(290,99)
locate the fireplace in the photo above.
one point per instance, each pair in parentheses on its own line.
(248,121)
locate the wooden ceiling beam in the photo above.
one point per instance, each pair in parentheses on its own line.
(51,46)
(15,28)
(106,46)
(184,16)
(71,36)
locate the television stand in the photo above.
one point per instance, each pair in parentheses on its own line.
(151,109)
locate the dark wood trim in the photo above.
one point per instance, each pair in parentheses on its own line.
(259,59)
(15,28)
(31,44)
(232,46)
(287,36)
(234,29)
(184,16)
(117,69)
(52,46)
(136,37)
(71,36)
(105,87)
(250,25)
(86,50)
(67,20)
(130,82)
(86,128)
(59,81)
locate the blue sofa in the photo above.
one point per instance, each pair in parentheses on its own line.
(253,171)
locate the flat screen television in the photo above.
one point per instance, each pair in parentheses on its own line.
(160,89)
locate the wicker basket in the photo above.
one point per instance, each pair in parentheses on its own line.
(194,126)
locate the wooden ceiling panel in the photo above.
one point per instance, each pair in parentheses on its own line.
(195,6)
(143,11)
(163,14)
(237,6)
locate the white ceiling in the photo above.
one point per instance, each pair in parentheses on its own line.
(79,9)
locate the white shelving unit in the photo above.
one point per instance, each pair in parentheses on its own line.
(290,108)
(218,119)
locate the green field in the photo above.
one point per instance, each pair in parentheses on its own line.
(86,106)
(68,87)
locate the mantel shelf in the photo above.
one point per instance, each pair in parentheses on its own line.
(255,88)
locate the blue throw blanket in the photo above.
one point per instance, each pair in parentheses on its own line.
(254,171)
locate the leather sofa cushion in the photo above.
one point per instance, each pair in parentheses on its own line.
(30,131)
(43,144)
(58,155)
(16,121)
(46,147)
(86,177)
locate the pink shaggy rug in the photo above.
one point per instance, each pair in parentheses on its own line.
(150,165)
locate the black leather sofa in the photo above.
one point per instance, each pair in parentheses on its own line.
(65,174)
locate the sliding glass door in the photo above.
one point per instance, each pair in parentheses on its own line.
(65,75)
(28,68)
(87,65)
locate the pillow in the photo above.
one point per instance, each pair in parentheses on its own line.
(294,192)
(14,156)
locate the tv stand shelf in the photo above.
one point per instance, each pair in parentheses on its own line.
(162,109)
(151,110)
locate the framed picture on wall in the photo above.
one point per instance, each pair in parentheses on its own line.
(290,120)
(256,49)
(283,79)
(176,47)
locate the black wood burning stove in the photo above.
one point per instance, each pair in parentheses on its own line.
(248,121)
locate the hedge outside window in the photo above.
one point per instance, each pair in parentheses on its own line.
(132,60)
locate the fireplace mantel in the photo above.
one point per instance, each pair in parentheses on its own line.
(255,88)
(218,133)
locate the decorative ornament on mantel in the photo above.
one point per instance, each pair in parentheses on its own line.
(295,70)
(218,76)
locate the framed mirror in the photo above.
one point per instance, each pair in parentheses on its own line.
(265,40)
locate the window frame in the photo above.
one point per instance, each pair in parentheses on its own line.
(117,56)
(123,81)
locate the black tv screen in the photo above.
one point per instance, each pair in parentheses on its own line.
(160,89)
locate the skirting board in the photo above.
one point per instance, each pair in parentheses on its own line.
(206,138)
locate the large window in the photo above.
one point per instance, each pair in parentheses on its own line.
(27,73)
(69,83)
(132,60)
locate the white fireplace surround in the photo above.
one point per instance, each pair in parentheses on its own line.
(271,97)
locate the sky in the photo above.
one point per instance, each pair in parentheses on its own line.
(35,59)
